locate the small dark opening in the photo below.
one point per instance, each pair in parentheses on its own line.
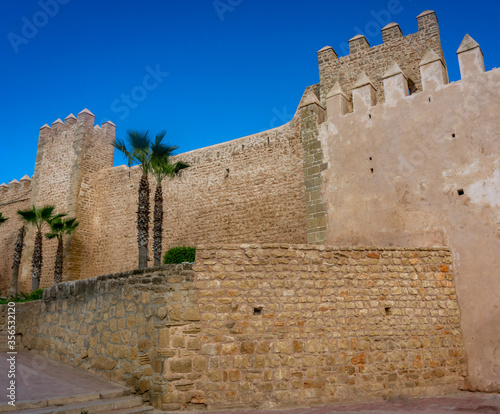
(370,158)
(460,192)
(453,135)
(430,99)
(257,311)
(242,147)
(387,310)
(267,141)
(227,173)
(371,170)
(370,116)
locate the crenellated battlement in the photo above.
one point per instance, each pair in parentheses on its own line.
(15,188)
(395,82)
(407,51)
(65,129)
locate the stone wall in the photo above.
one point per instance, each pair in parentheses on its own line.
(118,327)
(15,196)
(262,326)
(68,155)
(247,190)
(407,51)
(423,170)
(303,325)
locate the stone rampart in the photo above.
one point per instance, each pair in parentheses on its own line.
(262,326)
(13,197)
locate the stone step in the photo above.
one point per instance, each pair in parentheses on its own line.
(72,399)
(105,405)
(135,410)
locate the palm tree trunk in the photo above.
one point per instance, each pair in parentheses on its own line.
(37,261)
(143,221)
(58,267)
(18,252)
(158,224)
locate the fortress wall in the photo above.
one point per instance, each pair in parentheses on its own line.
(265,326)
(407,51)
(424,170)
(247,190)
(68,154)
(15,196)
(113,325)
(305,325)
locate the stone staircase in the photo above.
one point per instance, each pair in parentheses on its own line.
(116,402)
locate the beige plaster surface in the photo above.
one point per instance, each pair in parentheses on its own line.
(394,178)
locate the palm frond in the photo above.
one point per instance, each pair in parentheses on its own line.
(178,166)
(159,137)
(70,225)
(2,218)
(29,215)
(139,140)
(46,212)
(122,147)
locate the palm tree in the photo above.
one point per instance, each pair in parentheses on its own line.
(58,228)
(161,168)
(137,150)
(2,218)
(18,252)
(37,217)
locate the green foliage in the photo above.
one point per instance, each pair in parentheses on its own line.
(24,297)
(2,218)
(141,148)
(60,226)
(179,255)
(38,216)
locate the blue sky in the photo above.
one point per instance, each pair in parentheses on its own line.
(222,69)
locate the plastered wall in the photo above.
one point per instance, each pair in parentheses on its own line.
(423,170)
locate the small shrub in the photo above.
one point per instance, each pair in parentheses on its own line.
(179,255)
(35,295)
(24,297)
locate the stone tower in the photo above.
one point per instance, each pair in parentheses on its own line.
(68,154)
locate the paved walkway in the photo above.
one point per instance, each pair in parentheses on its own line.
(39,378)
(462,403)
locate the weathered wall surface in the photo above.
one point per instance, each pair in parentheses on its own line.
(407,51)
(68,154)
(15,196)
(118,327)
(333,323)
(247,190)
(262,325)
(424,170)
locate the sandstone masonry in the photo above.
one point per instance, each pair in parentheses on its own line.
(262,326)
